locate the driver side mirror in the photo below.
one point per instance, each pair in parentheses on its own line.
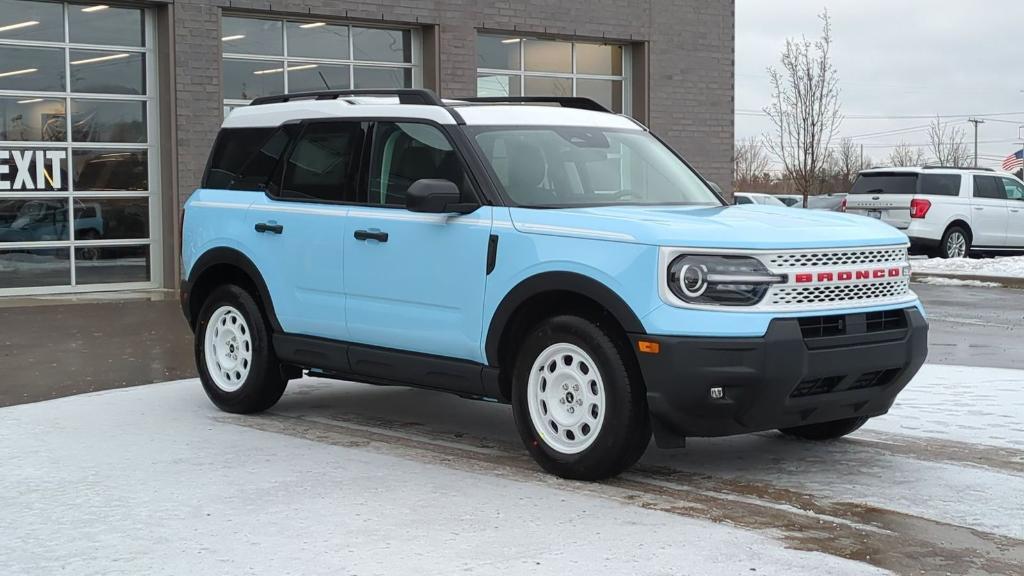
(436,197)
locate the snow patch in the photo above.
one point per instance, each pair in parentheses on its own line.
(943,281)
(1006,267)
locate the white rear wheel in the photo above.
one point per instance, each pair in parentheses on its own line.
(228,346)
(566,398)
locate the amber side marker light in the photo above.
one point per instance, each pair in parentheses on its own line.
(648,347)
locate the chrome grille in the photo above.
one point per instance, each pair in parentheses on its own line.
(869,293)
(836,258)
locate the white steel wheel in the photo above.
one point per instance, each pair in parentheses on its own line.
(565,396)
(956,244)
(228,347)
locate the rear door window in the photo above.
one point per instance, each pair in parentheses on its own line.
(886,183)
(939,184)
(989,187)
(324,163)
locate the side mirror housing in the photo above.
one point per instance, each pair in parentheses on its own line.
(436,197)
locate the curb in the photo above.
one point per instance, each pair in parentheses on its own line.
(1006,281)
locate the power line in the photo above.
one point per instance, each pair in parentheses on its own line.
(752,112)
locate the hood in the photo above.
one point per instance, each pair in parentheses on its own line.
(747,226)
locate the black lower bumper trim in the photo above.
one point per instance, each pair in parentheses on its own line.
(780,380)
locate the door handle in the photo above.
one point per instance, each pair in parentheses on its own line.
(262,227)
(1014,209)
(371,235)
(978,208)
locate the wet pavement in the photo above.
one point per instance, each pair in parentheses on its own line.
(50,349)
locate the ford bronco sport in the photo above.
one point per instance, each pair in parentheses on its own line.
(541,252)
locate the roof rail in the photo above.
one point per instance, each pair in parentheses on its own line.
(405,96)
(958,168)
(578,102)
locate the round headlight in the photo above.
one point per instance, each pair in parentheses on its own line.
(693,279)
(720,280)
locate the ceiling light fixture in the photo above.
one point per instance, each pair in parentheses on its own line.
(18,72)
(101,58)
(95,8)
(313,25)
(511,40)
(30,101)
(230,38)
(19,25)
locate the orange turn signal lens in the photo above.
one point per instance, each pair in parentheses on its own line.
(648,347)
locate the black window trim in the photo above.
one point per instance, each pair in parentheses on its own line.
(451,132)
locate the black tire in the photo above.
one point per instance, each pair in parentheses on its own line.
(265,381)
(945,249)
(825,430)
(625,431)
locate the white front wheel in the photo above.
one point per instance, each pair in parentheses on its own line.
(566,398)
(228,348)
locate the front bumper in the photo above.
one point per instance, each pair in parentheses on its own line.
(803,371)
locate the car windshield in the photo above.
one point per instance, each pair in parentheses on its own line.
(773,201)
(554,167)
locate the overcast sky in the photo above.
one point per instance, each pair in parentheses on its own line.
(897,58)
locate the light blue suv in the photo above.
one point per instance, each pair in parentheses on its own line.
(542,252)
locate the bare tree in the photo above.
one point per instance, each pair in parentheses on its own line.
(947,144)
(906,155)
(805,108)
(842,165)
(750,165)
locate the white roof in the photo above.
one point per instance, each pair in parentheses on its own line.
(268,115)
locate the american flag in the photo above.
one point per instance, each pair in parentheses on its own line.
(1014,161)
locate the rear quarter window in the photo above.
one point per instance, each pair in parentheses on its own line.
(939,184)
(234,150)
(886,183)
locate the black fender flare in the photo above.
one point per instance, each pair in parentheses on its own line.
(236,259)
(557,282)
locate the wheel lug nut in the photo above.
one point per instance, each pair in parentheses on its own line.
(575,387)
(565,386)
(579,402)
(561,400)
(571,410)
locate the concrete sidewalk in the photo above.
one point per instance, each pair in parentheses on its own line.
(58,347)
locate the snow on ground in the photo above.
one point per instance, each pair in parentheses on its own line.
(1006,267)
(942,281)
(152,480)
(960,403)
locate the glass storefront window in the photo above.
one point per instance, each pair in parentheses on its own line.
(76,192)
(267,57)
(34,21)
(111,264)
(33,170)
(309,77)
(381,45)
(111,218)
(108,72)
(366,77)
(24,119)
(318,40)
(547,56)
(40,267)
(252,36)
(514,66)
(108,121)
(106,25)
(33,220)
(104,170)
(31,69)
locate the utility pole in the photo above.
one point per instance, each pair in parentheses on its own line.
(976,121)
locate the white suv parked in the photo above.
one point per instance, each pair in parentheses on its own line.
(948,211)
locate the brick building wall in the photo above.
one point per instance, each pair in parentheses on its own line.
(690,71)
